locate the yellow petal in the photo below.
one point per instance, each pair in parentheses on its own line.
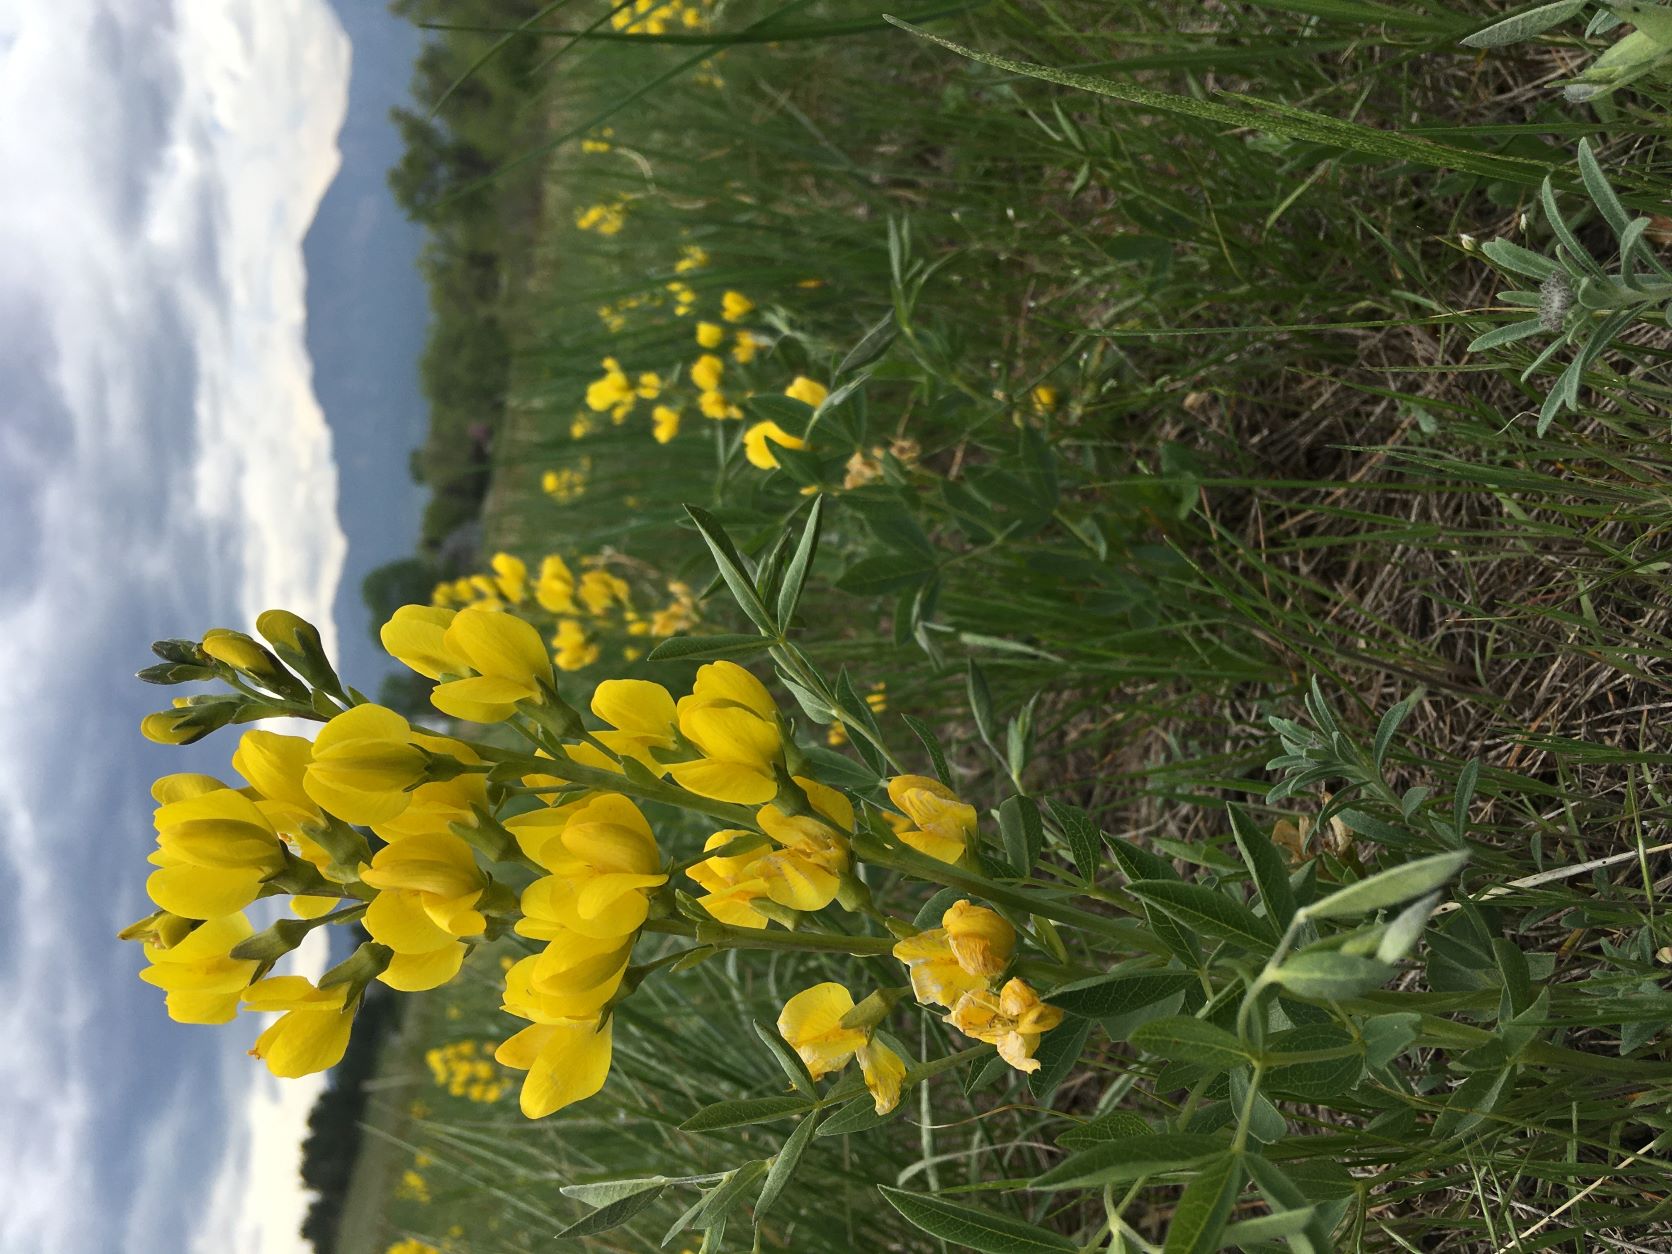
(416,636)
(728,683)
(731,734)
(482,698)
(397,918)
(498,643)
(305,1041)
(725,781)
(413,973)
(571,1066)
(195,892)
(885,1072)
(637,706)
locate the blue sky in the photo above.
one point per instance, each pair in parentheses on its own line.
(193,381)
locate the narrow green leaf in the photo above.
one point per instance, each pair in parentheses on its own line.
(1181,1038)
(613,1215)
(1405,929)
(931,745)
(787,1058)
(1513,257)
(737,1114)
(1282,1194)
(725,1196)
(1265,866)
(795,575)
(885,572)
(973,1228)
(732,569)
(1497,338)
(784,1165)
(1390,887)
(1058,1051)
(1131,1158)
(857,1116)
(1207,911)
(1596,183)
(605,1192)
(1205,1206)
(1100,996)
(1114,1126)
(707,648)
(981,701)
(1085,841)
(1317,1079)
(1523,25)
(1024,834)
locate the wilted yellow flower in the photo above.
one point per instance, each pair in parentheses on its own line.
(732,721)
(937,977)
(944,824)
(1013,1021)
(808,391)
(981,940)
(312,1030)
(758,442)
(811,1024)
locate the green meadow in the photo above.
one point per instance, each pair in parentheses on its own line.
(1227,444)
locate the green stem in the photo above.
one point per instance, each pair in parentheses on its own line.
(723,936)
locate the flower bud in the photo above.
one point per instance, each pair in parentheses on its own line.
(297,642)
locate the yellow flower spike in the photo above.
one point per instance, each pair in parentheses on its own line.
(365,764)
(811,1024)
(807,390)
(885,1072)
(1013,1021)
(944,824)
(666,423)
(733,880)
(710,334)
(509,659)
(202,979)
(567,1062)
(759,439)
(937,977)
(706,373)
(981,940)
(600,861)
(735,306)
(311,1032)
(572,648)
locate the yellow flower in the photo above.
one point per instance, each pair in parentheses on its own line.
(937,977)
(509,663)
(201,977)
(567,1061)
(600,591)
(710,334)
(759,439)
(416,636)
(602,859)
(438,804)
(275,767)
(215,848)
(809,391)
(511,576)
(555,589)
(733,880)
(428,886)
(730,718)
(1044,398)
(649,385)
(707,372)
(981,940)
(745,348)
(643,716)
(715,405)
(735,306)
(614,388)
(572,649)
(944,824)
(666,420)
(365,764)
(312,1031)
(1013,1021)
(572,978)
(811,1024)
(235,649)
(170,727)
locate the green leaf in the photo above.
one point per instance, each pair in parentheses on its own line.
(1653,20)
(1058,1051)
(1131,1158)
(1596,183)
(872,345)
(784,1165)
(1085,841)
(1285,1196)
(787,1058)
(1523,25)
(732,569)
(605,1192)
(1206,911)
(795,575)
(707,648)
(727,1194)
(1024,835)
(738,1113)
(1266,866)
(1100,996)
(857,1116)
(613,1215)
(1390,887)
(886,572)
(1386,1036)
(1330,974)
(981,701)
(1181,1038)
(1111,1127)
(1317,1079)
(1199,1220)
(973,1228)
(1405,929)
(1497,338)
(1513,257)
(931,745)
(1471,1101)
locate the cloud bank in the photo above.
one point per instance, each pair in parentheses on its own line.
(164,466)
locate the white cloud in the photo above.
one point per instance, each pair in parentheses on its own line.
(163,466)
